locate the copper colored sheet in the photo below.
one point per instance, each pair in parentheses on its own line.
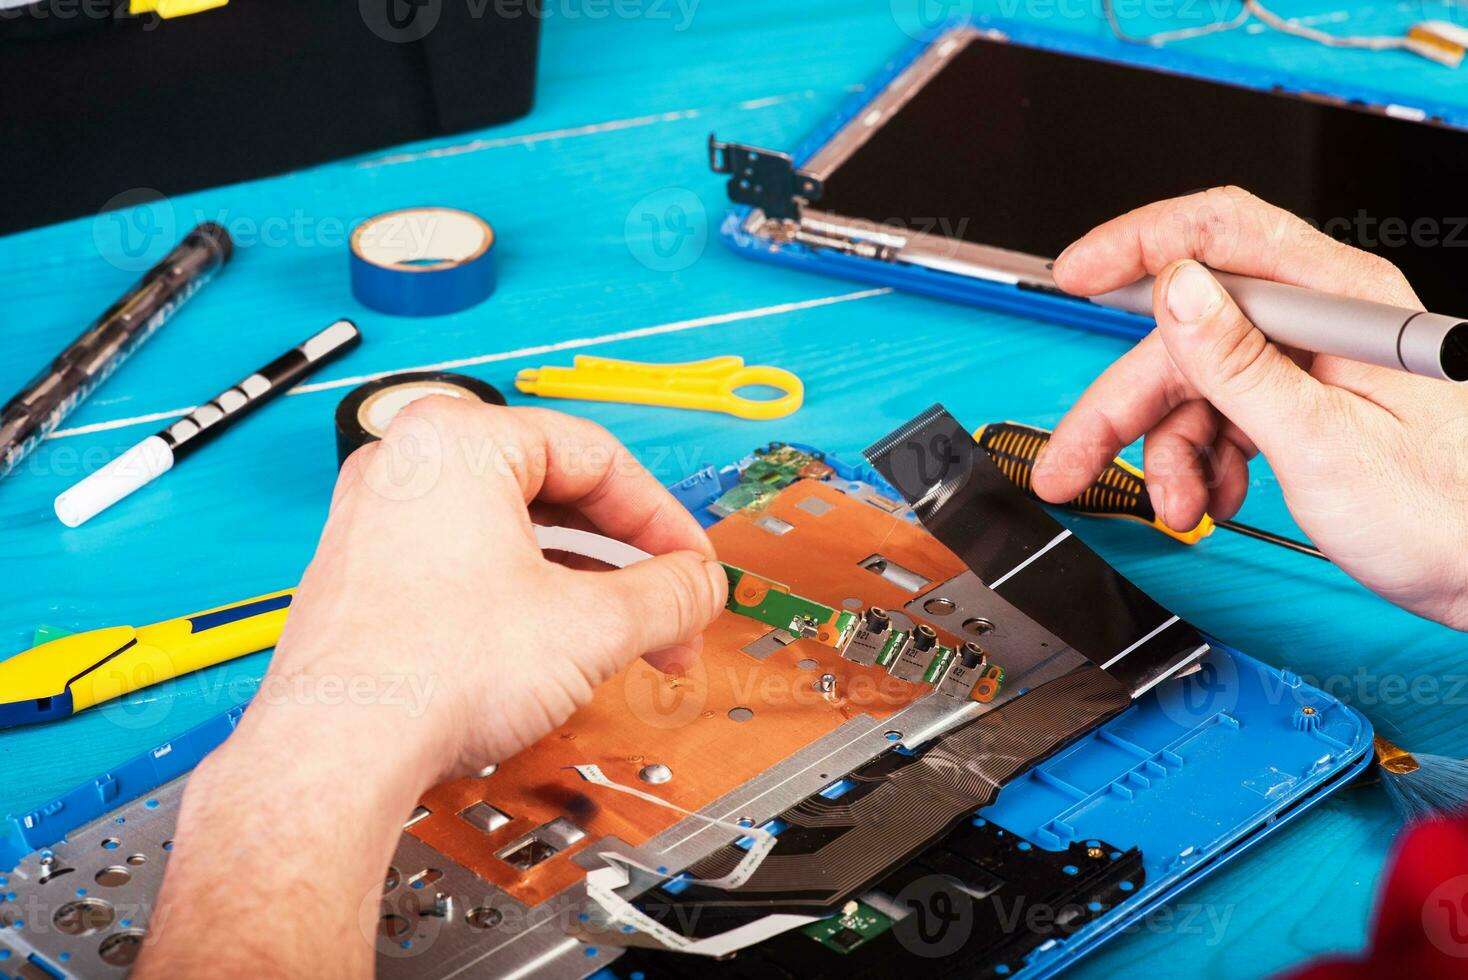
(642,716)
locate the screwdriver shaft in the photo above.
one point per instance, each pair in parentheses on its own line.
(1272,538)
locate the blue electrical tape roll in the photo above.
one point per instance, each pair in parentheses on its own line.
(423,261)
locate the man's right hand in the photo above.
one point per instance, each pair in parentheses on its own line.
(1373,462)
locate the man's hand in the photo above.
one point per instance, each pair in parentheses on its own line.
(1373,462)
(428,566)
(429,638)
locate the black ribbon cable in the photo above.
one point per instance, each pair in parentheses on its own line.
(1027,557)
(834,848)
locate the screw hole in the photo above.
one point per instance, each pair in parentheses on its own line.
(84,917)
(393,926)
(121,949)
(114,876)
(980,626)
(483,917)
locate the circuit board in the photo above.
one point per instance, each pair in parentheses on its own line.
(772,469)
(857,923)
(952,910)
(771,603)
(868,638)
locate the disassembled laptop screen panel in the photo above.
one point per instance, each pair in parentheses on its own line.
(987,158)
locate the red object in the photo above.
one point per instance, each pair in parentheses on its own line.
(1421,929)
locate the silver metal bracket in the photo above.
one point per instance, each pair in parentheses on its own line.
(764,179)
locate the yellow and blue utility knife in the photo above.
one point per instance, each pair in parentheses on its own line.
(60,678)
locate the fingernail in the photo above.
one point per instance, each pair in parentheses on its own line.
(671,661)
(1158,496)
(1192,292)
(1042,464)
(675,661)
(1061,258)
(720,582)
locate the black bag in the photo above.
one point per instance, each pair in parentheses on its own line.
(96,102)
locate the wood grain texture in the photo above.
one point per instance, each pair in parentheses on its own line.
(585,194)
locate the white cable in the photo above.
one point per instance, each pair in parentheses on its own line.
(602,883)
(1296,29)
(588,545)
(1160,38)
(1274,21)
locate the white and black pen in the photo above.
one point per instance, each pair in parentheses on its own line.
(157,454)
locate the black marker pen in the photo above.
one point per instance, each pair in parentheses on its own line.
(156,454)
(31,415)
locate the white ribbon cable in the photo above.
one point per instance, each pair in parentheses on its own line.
(588,545)
(601,884)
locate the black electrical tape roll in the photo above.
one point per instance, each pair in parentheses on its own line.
(364,415)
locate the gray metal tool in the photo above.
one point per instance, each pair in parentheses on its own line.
(1429,344)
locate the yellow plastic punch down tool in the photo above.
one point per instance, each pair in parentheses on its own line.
(709,386)
(60,678)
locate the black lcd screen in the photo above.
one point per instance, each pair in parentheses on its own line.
(1027,149)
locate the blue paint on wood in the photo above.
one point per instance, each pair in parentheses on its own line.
(607,228)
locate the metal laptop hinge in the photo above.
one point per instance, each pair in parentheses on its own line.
(866,248)
(764,179)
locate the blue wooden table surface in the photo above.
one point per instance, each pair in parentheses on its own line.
(606,214)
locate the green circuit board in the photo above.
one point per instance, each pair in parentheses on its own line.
(774,468)
(773,604)
(845,932)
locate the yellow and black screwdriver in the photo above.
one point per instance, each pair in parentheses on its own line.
(1120,490)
